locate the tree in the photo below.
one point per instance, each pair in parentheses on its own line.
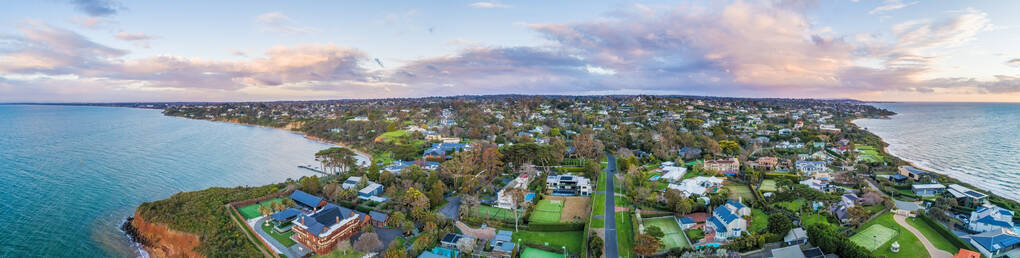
(518,196)
(779,224)
(278,206)
(265,210)
(730,147)
(396,219)
(310,185)
(417,202)
(343,246)
(368,242)
(645,245)
(655,231)
(395,250)
(595,244)
(857,215)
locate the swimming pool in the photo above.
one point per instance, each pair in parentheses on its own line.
(712,245)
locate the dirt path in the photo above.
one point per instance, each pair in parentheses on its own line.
(934,252)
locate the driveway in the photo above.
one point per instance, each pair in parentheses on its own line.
(386,235)
(452,208)
(908,206)
(934,252)
(610,218)
(277,246)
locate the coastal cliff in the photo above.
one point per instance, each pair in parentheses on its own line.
(161,241)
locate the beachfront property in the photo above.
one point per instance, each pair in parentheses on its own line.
(568,184)
(323,229)
(995,243)
(966,196)
(727,221)
(811,167)
(398,165)
(927,189)
(441,151)
(306,202)
(990,217)
(913,173)
(698,185)
(728,166)
(828,128)
(505,197)
(671,172)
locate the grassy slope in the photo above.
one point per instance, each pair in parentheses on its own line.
(758,220)
(910,246)
(204,214)
(932,236)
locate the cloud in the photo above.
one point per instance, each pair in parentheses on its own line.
(96,7)
(1014,62)
(489,5)
(890,5)
(279,23)
(92,22)
(45,49)
(139,39)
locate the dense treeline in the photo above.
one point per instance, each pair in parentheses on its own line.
(204,214)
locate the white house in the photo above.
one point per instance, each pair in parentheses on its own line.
(505,199)
(569,184)
(816,184)
(671,172)
(726,220)
(811,167)
(989,217)
(698,185)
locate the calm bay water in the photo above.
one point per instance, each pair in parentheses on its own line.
(978,143)
(72,174)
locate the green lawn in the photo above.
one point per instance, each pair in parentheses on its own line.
(695,234)
(598,208)
(252,211)
(758,220)
(793,206)
(624,234)
(393,135)
(907,240)
(939,241)
(282,238)
(547,212)
(768,185)
(571,239)
(873,237)
(673,236)
(601,185)
(340,254)
(537,253)
(813,218)
(493,212)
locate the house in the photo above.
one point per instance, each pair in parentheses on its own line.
(816,184)
(672,172)
(378,219)
(846,201)
(828,128)
(823,156)
(351,182)
(785,132)
(698,185)
(373,189)
(964,253)
(282,219)
(927,189)
(502,244)
(792,251)
(686,223)
(966,196)
(727,222)
(451,240)
(913,173)
(505,197)
(990,217)
(796,236)
(810,167)
(568,185)
(398,165)
(322,230)
(995,243)
(766,163)
(442,150)
(728,166)
(307,201)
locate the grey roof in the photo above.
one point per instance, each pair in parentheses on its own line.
(788,252)
(285,215)
(795,234)
(305,199)
(378,216)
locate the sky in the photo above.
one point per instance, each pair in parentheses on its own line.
(127,51)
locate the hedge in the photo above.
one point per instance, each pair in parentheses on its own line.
(955,240)
(577,226)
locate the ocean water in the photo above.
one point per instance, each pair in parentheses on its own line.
(977,143)
(70,175)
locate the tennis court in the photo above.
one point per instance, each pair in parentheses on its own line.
(768,185)
(873,237)
(547,212)
(673,236)
(532,252)
(252,211)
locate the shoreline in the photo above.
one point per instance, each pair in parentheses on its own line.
(356,150)
(913,163)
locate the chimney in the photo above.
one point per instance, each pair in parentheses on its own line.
(302,220)
(337,219)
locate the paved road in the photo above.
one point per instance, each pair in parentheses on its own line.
(610,217)
(932,251)
(452,208)
(280,248)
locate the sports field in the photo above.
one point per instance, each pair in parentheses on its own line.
(873,237)
(252,211)
(483,211)
(738,190)
(768,185)
(673,236)
(532,252)
(547,212)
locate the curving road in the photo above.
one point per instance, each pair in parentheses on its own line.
(610,217)
(932,251)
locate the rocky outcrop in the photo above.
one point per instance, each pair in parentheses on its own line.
(161,241)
